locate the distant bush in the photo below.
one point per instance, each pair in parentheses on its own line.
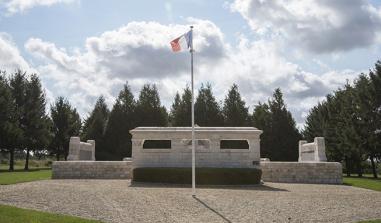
(205,176)
(3,161)
(48,163)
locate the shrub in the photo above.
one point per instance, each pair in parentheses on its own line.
(205,176)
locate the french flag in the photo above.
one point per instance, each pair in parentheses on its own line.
(175,44)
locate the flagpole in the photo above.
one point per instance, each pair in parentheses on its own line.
(193,140)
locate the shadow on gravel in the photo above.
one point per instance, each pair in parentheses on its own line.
(210,208)
(260,187)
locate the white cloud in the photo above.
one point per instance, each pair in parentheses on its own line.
(10,58)
(320,26)
(140,52)
(16,6)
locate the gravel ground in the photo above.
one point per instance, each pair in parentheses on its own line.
(121,201)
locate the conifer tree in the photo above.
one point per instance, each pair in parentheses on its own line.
(175,106)
(121,121)
(235,111)
(261,119)
(10,133)
(94,128)
(36,132)
(66,123)
(284,134)
(182,116)
(18,85)
(207,110)
(149,111)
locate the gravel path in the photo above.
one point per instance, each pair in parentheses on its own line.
(121,201)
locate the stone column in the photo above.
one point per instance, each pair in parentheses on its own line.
(320,149)
(301,143)
(74,147)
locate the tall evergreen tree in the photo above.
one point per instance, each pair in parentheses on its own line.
(182,116)
(284,134)
(18,85)
(10,133)
(66,122)
(121,121)
(235,111)
(36,121)
(261,119)
(95,126)
(207,110)
(149,111)
(174,107)
(375,80)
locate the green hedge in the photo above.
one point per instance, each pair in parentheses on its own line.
(205,176)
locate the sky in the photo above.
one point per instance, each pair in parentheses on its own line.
(82,49)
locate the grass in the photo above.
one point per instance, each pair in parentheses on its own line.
(19,175)
(366,182)
(11,214)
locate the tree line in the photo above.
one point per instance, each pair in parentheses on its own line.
(26,127)
(350,121)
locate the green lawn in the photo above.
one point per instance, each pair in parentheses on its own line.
(19,175)
(11,214)
(363,182)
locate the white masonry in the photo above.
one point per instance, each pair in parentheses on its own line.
(208,147)
(81,150)
(314,151)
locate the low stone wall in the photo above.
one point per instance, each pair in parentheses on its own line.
(91,170)
(302,172)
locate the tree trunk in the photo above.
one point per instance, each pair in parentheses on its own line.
(347,167)
(26,167)
(374,169)
(11,159)
(359,169)
(58,157)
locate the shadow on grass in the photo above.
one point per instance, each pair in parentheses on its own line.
(22,170)
(259,187)
(210,208)
(363,177)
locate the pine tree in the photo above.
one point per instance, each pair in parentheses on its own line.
(207,110)
(95,126)
(121,121)
(36,121)
(10,133)
(235,111)
(182,116)
(284,134)
(175,106)
(349,141)
(375,80)
(18,85)
(314,125)
(149,111)
(261,119)
(66,122)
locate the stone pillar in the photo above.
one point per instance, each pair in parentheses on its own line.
(320,149)
(92,147)
(301,143)
(74,147)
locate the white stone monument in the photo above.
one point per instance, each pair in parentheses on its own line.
(232,147)
(314,151)
(81,150)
